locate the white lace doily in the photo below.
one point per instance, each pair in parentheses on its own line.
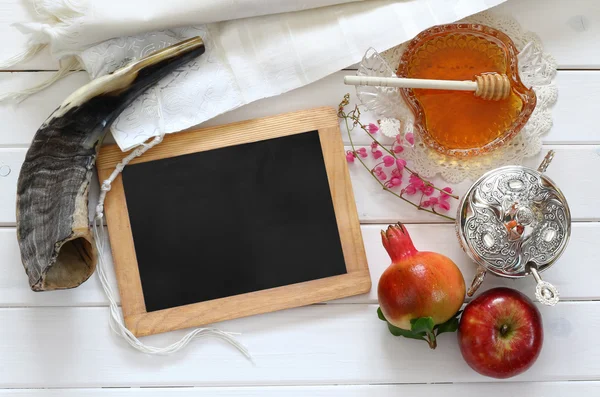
(536,69)
(198,90)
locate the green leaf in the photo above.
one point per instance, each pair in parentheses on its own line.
(423,328)
(404,332)
(380,314)
(422,324)
(449,326)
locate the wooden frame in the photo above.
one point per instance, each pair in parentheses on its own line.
(356,281)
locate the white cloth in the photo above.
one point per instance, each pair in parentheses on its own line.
(70,25)
(259,57)
(246,59)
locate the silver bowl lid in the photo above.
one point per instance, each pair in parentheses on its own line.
(514,219)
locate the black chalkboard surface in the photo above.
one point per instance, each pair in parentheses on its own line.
(232,220)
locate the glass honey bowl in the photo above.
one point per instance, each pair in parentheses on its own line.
(457,123)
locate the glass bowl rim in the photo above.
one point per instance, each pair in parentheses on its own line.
(495,36)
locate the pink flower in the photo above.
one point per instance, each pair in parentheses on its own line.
(410,138)
(410,189)
(377,154)
(350,157)
(374,145)
(399,139)
(362,152)
(415,180)
(397,172)
(400,163)
(445,205)
(398,149)
(379,173)
(427,190)
(394,181)
(440,202)
(445,193)
(372,128)
(388,161)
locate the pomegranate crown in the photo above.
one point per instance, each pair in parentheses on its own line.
(397,242)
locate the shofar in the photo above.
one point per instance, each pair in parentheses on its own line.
(57,247)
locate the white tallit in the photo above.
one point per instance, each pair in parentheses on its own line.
(255,48)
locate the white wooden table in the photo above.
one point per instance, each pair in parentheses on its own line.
(59,343)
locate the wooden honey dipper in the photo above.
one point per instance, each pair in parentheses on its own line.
(489,86)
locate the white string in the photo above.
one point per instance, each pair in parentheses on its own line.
(116,319)
(66,69)
(54,22)
(30,51)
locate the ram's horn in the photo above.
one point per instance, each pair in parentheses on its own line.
(57,248)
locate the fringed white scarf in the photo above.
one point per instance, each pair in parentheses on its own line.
(255,48)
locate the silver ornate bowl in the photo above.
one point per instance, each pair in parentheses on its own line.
(515,222)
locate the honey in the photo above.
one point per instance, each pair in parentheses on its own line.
(458,121)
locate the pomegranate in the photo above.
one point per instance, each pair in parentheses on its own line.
(417,284)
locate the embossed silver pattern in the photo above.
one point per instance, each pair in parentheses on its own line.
(515,222)
(513,218)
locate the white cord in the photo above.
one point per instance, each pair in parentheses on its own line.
(29,52)
(116,318)
(71,66)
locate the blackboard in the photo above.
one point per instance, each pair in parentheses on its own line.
(234,220)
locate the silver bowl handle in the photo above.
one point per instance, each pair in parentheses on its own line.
(546,161)
(545,292)
(477,280)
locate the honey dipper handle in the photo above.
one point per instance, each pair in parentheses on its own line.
(411,83)
(488,86)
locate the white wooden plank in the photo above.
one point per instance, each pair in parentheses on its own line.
(316,345)
(555,389)
(572,115)
(378,206)
(579,92)
(568,29)
(573,170)
(10,166)
(560,24)
(575,274)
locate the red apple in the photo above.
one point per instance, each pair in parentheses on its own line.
(500,333)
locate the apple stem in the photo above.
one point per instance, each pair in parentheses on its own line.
(503,329)
(431,340)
